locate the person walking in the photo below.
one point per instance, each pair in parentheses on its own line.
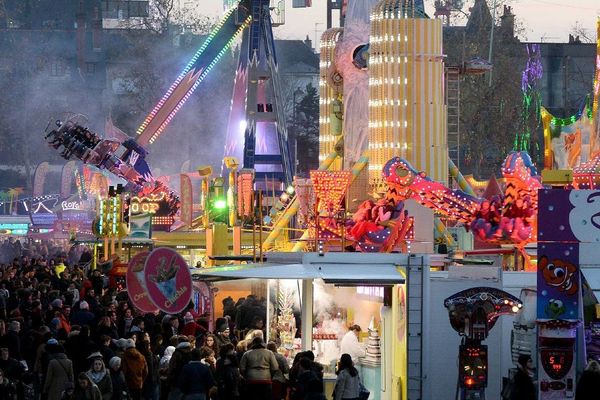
(228,374)
(258,365)
(135,370)
(180,358)
(588,386)
(196,379)
(100,376)
(59,373)
(279,379)
(523,387)
(117,380)
(86,389)
(347,383)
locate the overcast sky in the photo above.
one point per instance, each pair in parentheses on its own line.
(545,20)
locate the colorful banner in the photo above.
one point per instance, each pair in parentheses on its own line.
(39,178)
(569,216)
(567,140)
(136,283)
(66,179)
(168,280)
(187,199)
(558,282)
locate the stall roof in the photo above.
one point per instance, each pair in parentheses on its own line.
(336,268)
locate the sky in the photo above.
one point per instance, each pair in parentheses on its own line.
(544,20)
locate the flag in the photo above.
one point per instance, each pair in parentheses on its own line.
(66,179)
(39,178)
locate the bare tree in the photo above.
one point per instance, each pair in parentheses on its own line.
(580,33)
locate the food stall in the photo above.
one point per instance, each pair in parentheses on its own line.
(320,295)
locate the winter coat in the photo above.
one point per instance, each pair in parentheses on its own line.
(8,390)
(588,386)
(134,368)
(90,393)
(228,376)
(60,371)
(258,364)
(346,385)
(104,384)
(283,369)
(119,387)
(193,329)
(522,387)
(195,378)
(178,360)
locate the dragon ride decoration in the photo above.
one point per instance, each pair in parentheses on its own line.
(511,218)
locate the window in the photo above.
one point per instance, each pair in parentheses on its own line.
(90,68)
(57,68)
(120,9)
(138,8)
(110,8)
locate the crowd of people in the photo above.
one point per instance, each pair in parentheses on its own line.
(65,334)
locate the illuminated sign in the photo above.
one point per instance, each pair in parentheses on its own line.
(557,362)
(147,204)
(473,365)
(157,205)
(14,229)
(44,219)
(70,205)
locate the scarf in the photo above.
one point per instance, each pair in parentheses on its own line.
(96,376)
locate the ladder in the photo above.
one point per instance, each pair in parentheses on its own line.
(453,118)
(416,278)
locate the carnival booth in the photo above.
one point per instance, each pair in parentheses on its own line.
(313,298)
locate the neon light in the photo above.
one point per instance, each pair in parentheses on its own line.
(185,72)
(205,72)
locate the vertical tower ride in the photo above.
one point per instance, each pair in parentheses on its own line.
(257,116)
(407,115)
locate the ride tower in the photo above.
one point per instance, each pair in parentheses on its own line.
(257,117)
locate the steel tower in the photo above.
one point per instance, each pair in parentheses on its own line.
(257,109)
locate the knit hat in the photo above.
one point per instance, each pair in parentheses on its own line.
(84,305)
(114,362)
(95,355)
(56,303)
(188,317)
(121,343)
(222,325)
(129,344)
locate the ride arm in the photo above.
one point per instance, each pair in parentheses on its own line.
(214,47)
